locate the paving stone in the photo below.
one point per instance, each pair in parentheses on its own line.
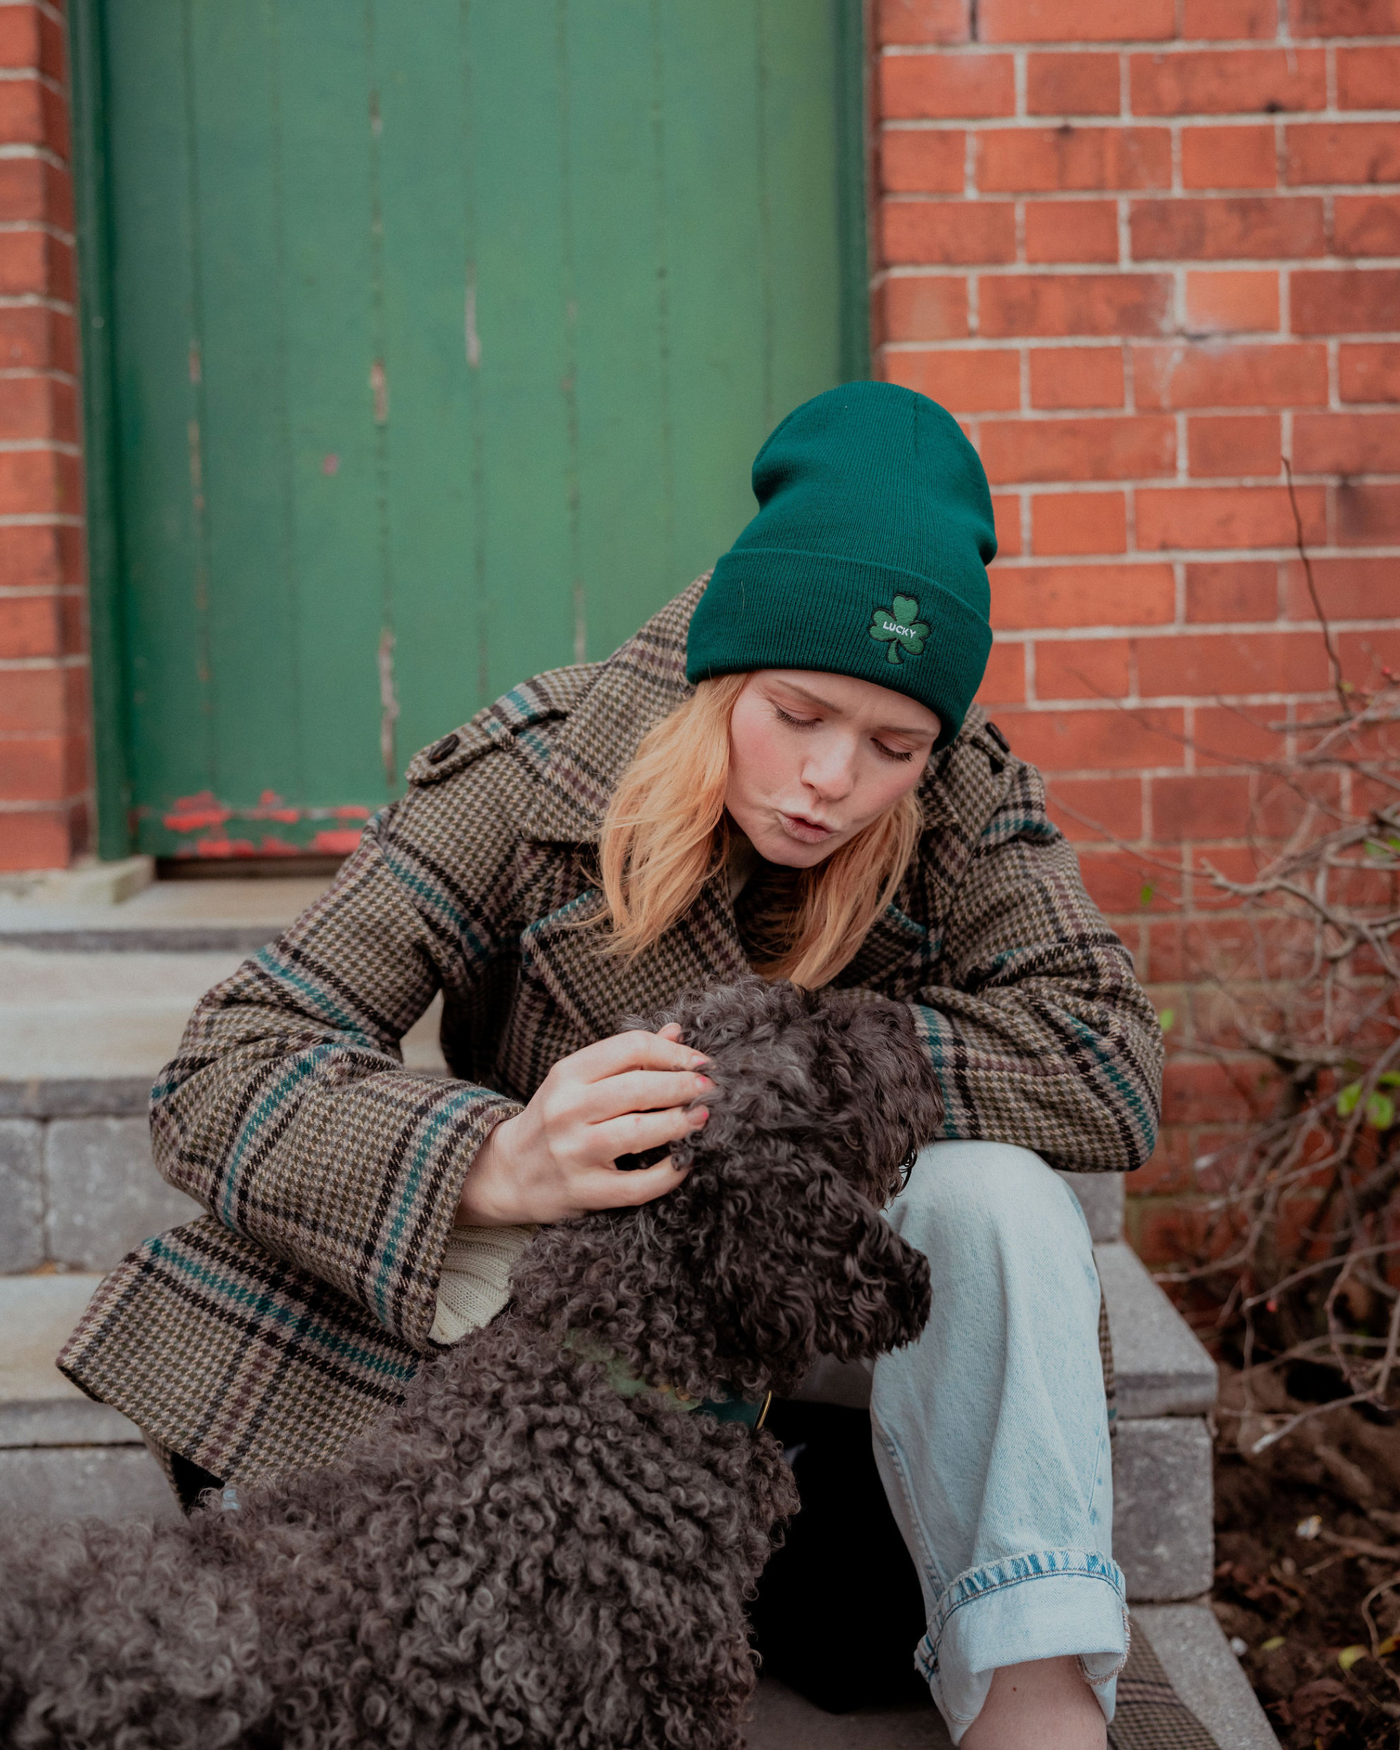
(1162,1367)
(1162,1497)
(105,1195)
(21,1195)
(1206,1675)
(39,1407)
(70,1482)
(1101,1198)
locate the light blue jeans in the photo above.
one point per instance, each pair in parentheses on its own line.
(991,1432)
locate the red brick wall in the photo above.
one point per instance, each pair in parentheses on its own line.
(1144,249)
(45,800)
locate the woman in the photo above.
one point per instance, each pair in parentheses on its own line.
(782,769)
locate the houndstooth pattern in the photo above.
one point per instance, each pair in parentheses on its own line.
(1150,1715)
(265,1336)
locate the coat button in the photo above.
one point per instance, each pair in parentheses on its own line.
(439,751)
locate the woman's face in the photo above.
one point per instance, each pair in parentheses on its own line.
(815,757)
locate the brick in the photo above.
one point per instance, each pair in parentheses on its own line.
(1228,158)
(1347,443)
(1005,680)
(1344,17)
(34,338)
(1367,514)
(1224,302)
(922,21)
(1211,1093)
(936,87)
(1088,809)
(33,701)
(1032,597)
(948,232)
(1342,152)
(1366,224)
(1242,590)
(1368,78)
(1244,227)
(1204,805)
(19,36)
(37,407)
(30,626)
(31,188)
(926,307)
(1042,160)
(1076,376)
(1072,303)
(1234,445)
(1349,589)
(1235,735)
(33,556)
(41,768)
(1078,522)
(1226,516)
(1096,740)
(39,838)
(1364,656)
(1071,231)
(1227,81)
(922,160)
(1122,883)
(39,480)
(1072,83)
(1078,449)
(1048,21)
(964,382)
(1230,375)
(1082,668)
(1230,20)
(1006,512)
(1345,300)
(1231,663)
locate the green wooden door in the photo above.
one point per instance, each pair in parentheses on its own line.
(434,341)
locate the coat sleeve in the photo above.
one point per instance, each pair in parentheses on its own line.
(1035,1020)
(288,1112)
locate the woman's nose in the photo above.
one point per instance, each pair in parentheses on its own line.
(831,777)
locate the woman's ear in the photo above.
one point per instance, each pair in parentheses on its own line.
(825,1274)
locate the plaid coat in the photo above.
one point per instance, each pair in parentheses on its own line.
(265,1335)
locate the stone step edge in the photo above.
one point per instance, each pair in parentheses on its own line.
(1195,1655)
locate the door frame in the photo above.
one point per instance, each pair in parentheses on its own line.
(111,740)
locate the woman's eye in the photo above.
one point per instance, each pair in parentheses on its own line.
(797,722)
(895,753)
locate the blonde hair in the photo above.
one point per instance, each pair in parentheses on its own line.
(666,834)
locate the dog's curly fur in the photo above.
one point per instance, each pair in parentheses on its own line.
(521,1555)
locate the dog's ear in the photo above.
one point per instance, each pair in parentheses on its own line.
(836,1281)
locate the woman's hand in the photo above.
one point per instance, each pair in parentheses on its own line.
(557,1158)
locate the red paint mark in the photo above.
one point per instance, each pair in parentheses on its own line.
(224,847)
(271,807)
(190,813)
(331,465)
(274,847)
(350,811)
(337,843)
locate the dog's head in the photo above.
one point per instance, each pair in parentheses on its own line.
(773,1250)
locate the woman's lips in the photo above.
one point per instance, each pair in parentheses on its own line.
(805,831)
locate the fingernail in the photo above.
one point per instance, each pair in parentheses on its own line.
(697,1059)
(700,1115)
(704,1081)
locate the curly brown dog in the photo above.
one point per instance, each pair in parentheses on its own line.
(550,1543)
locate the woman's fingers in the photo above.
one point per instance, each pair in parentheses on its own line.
(640,1090)
(610,1188)
(627,1051)
(635,1132)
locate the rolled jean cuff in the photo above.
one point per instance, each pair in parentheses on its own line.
(1045,1605)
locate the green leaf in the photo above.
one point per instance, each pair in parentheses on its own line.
(1146,893)
(913,644)
(919,630)
(1346,1100)
(905,609)
(1380,1111)
(1167,1020)
(894,652)
(1389,1078)
(1273,1644)
(1350,1655)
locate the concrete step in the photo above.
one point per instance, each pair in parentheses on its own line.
(223,916)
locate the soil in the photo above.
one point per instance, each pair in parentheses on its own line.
(1304,1532)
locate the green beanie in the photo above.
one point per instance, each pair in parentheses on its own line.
(867,557)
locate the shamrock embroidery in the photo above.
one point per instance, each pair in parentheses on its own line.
(900,627)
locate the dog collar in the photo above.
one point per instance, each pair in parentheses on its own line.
(752,1413)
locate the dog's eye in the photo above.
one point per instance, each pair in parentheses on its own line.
(906,1166)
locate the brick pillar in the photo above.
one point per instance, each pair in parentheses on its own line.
(45,763)
(1144,249)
